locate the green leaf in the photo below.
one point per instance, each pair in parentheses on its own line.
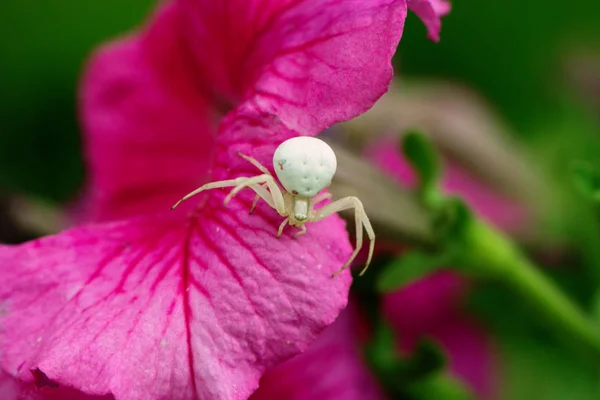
(396,373)
(40,145)
(381,352)
(586,179)
(424,158)
(440,387)
(408,268)
(533,363)
(426,359)
(452,219)
(595,312)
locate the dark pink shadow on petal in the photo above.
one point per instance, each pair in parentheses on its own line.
(426,302)
(330,369)
(12,389)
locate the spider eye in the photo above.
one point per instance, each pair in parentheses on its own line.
(294,192)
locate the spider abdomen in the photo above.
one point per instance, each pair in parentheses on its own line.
(304,165)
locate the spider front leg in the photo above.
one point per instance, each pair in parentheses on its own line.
(281,226)
(262,169)
(256,198)
(360,218)
(321,197)
(302,228)
(260,191)
(302,231)
(275,192)
(254,162)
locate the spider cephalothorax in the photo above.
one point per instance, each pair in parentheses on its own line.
(305,166)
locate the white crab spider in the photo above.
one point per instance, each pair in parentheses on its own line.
(305,166)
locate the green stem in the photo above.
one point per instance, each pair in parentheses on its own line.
(491,251)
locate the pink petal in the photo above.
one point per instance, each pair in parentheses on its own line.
(426,302)
(311,63)
(8,387)
(331,368)
(430,12)
(470,354)
(441,7)
(490,205)
(170,307)
(149,127)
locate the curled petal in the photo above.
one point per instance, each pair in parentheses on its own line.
(430,11)
(312,63)
(169,307)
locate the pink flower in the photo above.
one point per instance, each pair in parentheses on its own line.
(147,304)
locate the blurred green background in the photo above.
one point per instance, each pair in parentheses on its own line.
(517,54)
(44,46)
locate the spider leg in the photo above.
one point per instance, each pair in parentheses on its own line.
(283,224)
(257,197)
(262,169)
(278,201)
(361,220)
(208,186)
(302,231)
(254,162)
(274,190)
(277,195)
(323,196)
(260,191)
